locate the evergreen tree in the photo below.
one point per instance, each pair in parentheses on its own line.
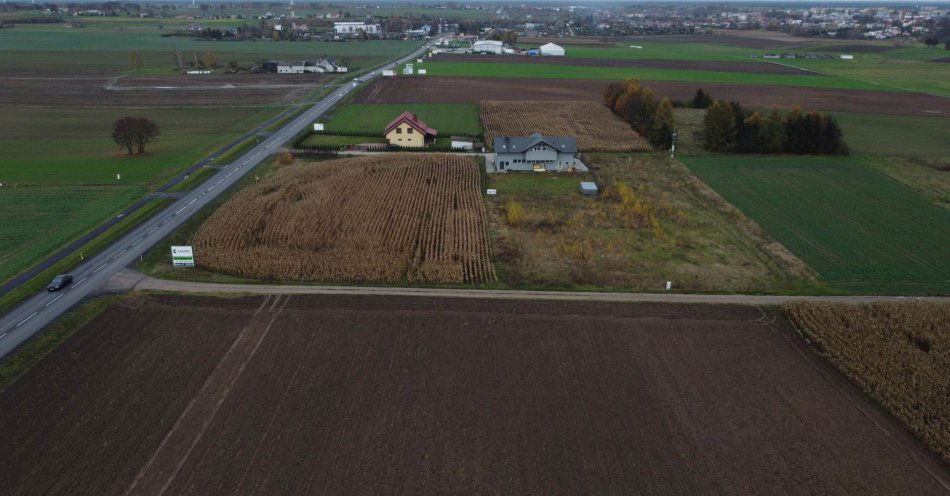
(664,123)
(719,127)
(702,99)
(771,138)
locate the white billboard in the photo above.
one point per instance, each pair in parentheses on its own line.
(183,256)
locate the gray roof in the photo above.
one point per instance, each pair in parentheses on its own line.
(519,144)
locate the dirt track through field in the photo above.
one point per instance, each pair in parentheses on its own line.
(172,454)
(473,90)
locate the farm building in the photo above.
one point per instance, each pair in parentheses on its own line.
(409,131)
(488,46)
(302,67)
(535,152)
(588,188)
(552,50)
(462,143)
(355,28)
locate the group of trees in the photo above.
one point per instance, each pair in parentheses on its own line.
(728,127)
(133,133)
(637,105)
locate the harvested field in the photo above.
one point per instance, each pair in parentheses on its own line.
(378,395)
(596,128)
(898,353)
(467,90)
(390,218)
(695,65)
(154,90)
(854,48)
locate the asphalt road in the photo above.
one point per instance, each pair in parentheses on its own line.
(101,228)
(31,316)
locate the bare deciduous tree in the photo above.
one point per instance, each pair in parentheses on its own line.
(134,133)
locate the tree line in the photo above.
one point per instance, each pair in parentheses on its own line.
(728,127)
(637,105)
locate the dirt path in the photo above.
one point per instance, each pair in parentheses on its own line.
(136,282)
(166,462)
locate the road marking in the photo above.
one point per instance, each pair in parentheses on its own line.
(52,301)
(192,201)
(80,282)
(182,208)
(99,268)
(152,230)
(3,335)
(123,251)
(26,319)
(211,188)
(136,241)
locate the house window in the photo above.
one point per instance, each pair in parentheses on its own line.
(409,130)
(398,130)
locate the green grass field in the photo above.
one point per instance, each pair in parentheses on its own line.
(457,118)
(544,71)
(898,68)
(860,230)
(57,49)
(59,169)
(37,220)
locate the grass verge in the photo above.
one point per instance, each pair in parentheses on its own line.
(192,181)
(91,248)
(33,351)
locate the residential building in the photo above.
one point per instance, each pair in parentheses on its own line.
(534,153)
(409,131)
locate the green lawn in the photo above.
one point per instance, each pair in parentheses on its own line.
(860,230)
(662,50)
(455,118)
(544,71)
(39,219)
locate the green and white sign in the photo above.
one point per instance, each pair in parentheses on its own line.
(183,256)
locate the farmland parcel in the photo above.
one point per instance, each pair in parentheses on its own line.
(897,352)
(369,395)
(384,219)
(594,126)
(860,230)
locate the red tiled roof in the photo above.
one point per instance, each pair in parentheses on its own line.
(414,121)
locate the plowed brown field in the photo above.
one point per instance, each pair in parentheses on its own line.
(472,90)
(393,395)
(382,218)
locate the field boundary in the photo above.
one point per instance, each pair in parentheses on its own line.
(136,281)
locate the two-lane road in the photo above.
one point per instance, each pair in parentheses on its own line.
(31,316)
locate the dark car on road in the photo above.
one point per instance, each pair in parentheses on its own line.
(59,282)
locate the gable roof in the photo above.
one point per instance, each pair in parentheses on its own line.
(520,144)
(414,121)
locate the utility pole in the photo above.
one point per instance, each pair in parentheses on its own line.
(673,145)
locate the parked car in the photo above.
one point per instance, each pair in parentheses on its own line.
(59,282)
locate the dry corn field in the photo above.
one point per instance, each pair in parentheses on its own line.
(596,128)
(898,353)
(378,219)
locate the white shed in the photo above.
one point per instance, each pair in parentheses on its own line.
(462,143)
(551,49)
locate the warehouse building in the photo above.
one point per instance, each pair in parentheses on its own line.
(488,46)
(552,50)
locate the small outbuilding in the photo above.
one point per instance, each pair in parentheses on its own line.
(588,188)
(462,143)
(552,50)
